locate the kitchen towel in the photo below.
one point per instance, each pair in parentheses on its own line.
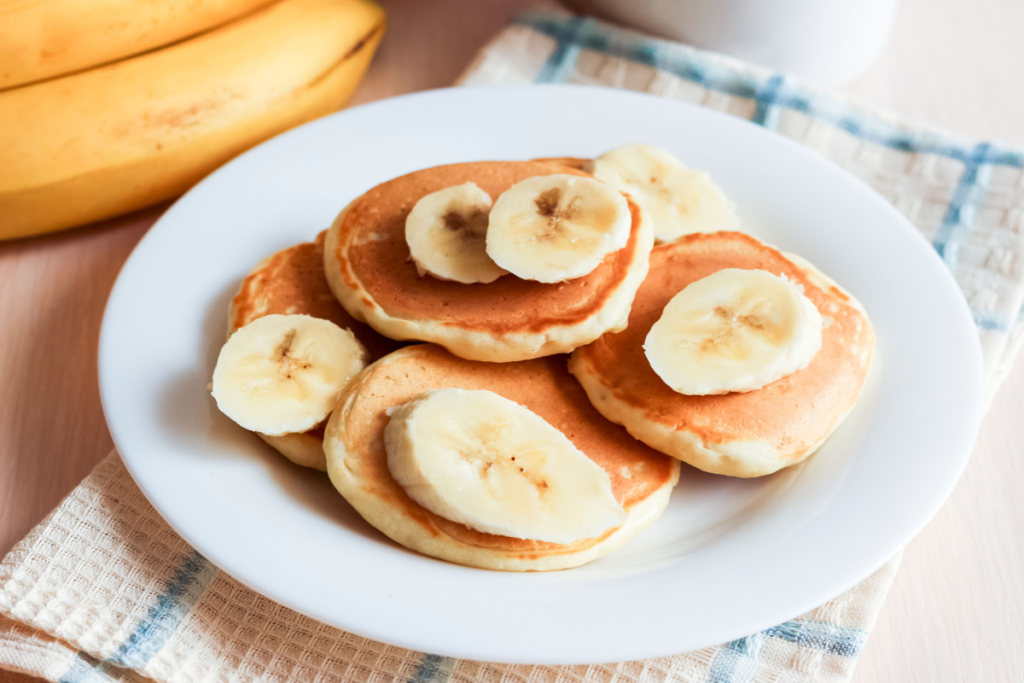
(104,590)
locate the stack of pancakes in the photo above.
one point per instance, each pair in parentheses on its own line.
(509,336)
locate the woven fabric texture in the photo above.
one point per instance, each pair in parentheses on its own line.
(104,590)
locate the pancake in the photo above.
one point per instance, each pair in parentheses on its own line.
(641,478)
(738,434)
(292,281)
(369,269)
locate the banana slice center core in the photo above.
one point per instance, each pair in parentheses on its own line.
(289,365)
(473,226)
(725,328)
(549,205)
(446,232)
(493,453)
(557,227)
(733,331)
(282,374)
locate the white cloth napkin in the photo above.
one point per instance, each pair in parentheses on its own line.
(104,590)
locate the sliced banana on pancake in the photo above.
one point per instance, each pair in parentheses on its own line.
(679,200)
(446,232)
(735,330)
(557,227)
(480,459)
(282,374)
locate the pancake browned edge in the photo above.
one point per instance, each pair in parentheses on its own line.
(288,282)
(578,163)
(641,478)
(738,434)
(369,269)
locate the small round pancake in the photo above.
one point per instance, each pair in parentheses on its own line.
(737,434)
(641,478)
(369,269)
(292,281)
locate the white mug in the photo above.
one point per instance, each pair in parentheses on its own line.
(828,42)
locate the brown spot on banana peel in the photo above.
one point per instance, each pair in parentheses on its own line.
(190,115)
(195,113)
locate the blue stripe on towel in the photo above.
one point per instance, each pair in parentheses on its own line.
(768,97)
(737,662)
(433,669)
(996,321)
(969,193)
(820,635)
(562,61)
(180,595)
(589,35)
(84,669)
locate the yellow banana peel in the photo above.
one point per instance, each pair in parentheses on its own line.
(41,39)
(117,138)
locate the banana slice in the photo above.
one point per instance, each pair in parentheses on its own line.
(557,227)
(735,330)
(446,233)
(283,373)
(679,201)
(482,460)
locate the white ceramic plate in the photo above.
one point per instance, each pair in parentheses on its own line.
(728,558)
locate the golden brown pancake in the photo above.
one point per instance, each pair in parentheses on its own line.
(641,478)
(739,434)
(369,269)
(292,282)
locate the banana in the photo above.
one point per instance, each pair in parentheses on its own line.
(446,232)
(679,201)
(735,330)
(43,39)
(482,460)
(120,137)
(282,374)
(556,227)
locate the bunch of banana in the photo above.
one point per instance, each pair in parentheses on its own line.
(119,137)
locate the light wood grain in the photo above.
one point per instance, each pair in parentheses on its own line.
(956,611)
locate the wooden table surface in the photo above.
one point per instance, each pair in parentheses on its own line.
(956,610)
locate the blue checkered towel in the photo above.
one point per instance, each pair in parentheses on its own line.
(104,590)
